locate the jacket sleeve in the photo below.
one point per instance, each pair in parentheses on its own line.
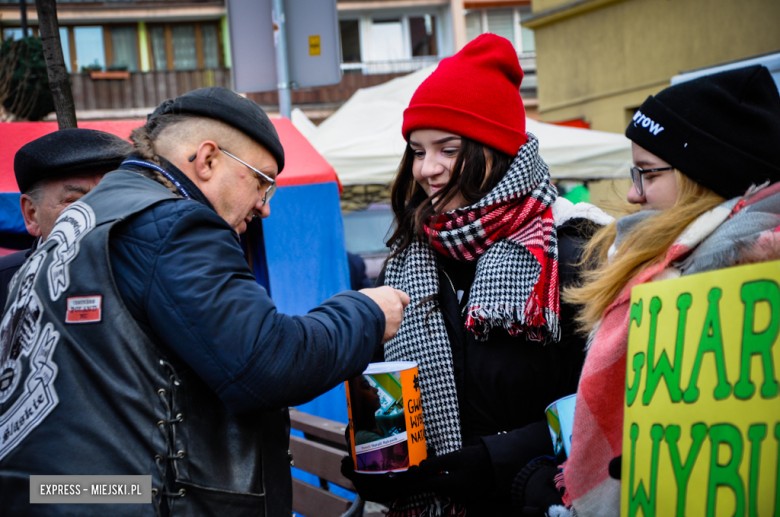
(203,302)
(572,238)
(379,351)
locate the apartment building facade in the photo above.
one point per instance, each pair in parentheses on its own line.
(132,54)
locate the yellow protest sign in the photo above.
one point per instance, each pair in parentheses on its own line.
(314,46)
(702,409)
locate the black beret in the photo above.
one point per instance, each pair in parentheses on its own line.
(720,130)
(232,109)
(68,152)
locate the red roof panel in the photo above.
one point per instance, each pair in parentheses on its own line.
(303,164)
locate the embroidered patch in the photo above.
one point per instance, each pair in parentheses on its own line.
(38,398)
(71,226)
(20,337)
(84,309)
(20,327)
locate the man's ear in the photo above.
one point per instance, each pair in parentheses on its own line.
(30,215)
(208,151)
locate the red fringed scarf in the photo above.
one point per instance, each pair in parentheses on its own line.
(509,292)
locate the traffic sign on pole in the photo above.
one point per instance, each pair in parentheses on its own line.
(312,41)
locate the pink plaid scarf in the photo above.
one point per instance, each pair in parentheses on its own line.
(597,437)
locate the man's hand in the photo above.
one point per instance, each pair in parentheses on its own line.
(392,302)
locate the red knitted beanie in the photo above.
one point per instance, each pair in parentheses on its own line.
(476,94)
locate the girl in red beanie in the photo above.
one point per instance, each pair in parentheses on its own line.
(481,255)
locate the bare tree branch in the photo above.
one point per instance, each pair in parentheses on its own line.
(59,80)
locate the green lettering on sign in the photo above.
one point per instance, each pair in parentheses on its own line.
(641,498)
(756,435)
(663,369)
(639,358)
(777,477)
(682,471)
(711,341)
(754,343)
(725,474)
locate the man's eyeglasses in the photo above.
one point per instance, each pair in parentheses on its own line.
(639,182)
(269,192)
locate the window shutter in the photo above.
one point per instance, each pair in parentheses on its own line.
(499,22)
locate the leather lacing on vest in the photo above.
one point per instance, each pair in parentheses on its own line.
(168,428)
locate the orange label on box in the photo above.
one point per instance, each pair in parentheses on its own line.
(84,309)
(385,416)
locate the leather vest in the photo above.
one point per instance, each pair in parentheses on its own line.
(84,391)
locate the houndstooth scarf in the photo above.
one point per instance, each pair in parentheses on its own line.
(511,234)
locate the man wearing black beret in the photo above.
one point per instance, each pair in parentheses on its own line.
(169,359)
(52,172)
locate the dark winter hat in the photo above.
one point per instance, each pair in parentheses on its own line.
(721,130)
(232,109)
(476,94)
(68,152)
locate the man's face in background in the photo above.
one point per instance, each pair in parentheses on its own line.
(43,204)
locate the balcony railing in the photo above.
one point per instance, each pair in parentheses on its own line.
(142,89)
(148,89)
(398,66)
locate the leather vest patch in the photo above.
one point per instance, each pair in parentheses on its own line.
(21,335)
(70,228)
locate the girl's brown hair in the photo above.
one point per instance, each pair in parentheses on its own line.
(477,170)
(646,245)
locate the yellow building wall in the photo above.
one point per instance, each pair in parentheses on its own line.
(601,64)
(538,6)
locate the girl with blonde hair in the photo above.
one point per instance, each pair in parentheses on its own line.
(706,163)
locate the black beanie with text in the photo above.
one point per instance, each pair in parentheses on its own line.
(720,130)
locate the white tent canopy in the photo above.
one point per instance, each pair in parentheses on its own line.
(363,141)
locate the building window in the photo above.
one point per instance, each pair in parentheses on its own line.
(158,49)
(184,46)
(350,40)
(185,54)
(65,47)
(124,43)
(504,23)
(527,35)
(86,49)
(473,24)
(210,43)
(14,34)
(422,31)
(379,43)
(499,22)
(90,53)
(387,40)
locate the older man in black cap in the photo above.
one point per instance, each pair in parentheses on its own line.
(52,172)
(169,359)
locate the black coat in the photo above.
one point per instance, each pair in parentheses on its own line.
(505,384)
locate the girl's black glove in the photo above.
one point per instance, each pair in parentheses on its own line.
(464,475)
(533,490)
(381,488)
